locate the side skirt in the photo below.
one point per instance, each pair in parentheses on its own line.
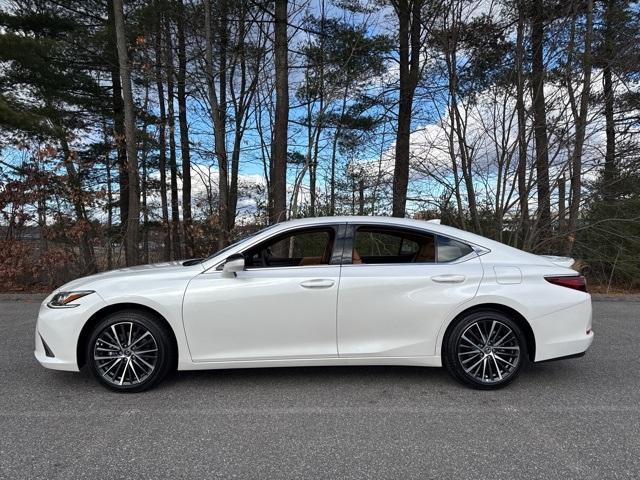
(566,357)
(422,361)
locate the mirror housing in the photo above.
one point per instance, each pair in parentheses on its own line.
(233,264)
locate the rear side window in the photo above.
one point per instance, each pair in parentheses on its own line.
(450,249)
(375,245)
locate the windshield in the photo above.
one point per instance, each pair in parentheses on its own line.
(238,242)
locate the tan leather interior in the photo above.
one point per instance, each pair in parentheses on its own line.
(356,258)
(310,261)
(427,252)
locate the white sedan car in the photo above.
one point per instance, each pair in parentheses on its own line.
(323,291)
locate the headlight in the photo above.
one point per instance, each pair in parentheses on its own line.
(64,299)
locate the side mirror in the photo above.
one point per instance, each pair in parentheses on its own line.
(233,264)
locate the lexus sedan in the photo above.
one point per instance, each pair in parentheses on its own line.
(324,291)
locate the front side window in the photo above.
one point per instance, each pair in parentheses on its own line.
(294,249)
(375,245)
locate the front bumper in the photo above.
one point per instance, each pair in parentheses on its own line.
(60,328)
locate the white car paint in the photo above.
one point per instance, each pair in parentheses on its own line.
(326,314)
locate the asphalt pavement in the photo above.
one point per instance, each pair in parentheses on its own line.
(570,419)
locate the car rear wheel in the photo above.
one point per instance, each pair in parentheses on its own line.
(485,350)
(129,351)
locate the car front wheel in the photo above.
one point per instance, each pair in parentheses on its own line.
(485,350)
(129,351)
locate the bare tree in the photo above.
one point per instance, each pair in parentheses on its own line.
(580,115)
(409,13)
(543,220)
(278,170)
(162,132)
(184,130)
(133,222)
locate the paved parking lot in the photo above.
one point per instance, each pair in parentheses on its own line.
(571,419)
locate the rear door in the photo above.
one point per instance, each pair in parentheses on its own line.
(397,287)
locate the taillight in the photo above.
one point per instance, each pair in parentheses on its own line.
(577,282)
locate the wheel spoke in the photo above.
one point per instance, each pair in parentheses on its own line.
(497,367)
(130,330)
(497,357)
(484,340)
(115,335)
(471,359)
(140,338)
(474,365)
(124,370)
(501,341)
(143,360)
(493,324)
(470,342)
(141,352)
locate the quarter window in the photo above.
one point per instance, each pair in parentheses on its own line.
(450,249)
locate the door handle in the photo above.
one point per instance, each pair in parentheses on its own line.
(448,278)
(317,283)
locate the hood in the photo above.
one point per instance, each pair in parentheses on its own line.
(139,271)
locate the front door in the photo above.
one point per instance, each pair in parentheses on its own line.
(282,306)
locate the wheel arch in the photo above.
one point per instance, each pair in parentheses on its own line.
(520,319)
(113,308)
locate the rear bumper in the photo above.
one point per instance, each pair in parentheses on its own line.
(564,333)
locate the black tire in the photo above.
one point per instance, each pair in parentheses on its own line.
(151,333)
(476,326)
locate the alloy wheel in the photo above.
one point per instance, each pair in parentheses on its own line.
(125,353)
(489,351)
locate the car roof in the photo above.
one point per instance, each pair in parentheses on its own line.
(391,221)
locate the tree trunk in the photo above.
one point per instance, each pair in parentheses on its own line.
(540,126)
(162,135)
(184,133)
(523,195)
(133,221)
(581,126)
(86,248)
(144,179)
(118,122)
(609,173)
(409,17)
(107,164)
(218,114)
(562,202)
(176,252)
(334,153)
(278,190)
(457,122)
